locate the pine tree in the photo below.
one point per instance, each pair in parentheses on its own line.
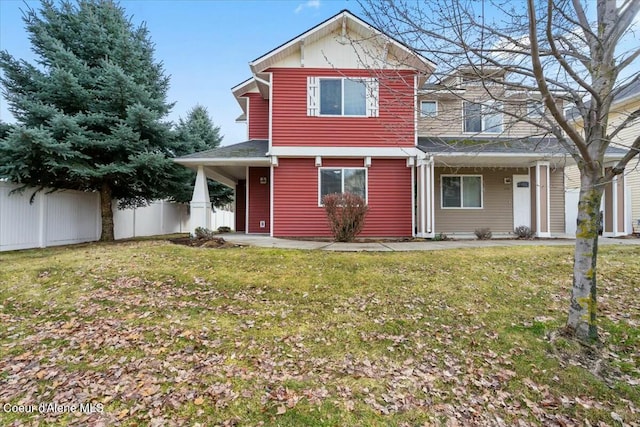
(90,110)
(198,133)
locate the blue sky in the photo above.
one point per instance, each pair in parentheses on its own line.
(205,45)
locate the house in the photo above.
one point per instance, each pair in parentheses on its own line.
(344,107)
(621,201)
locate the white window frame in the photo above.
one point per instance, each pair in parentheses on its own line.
(484,106)
(430,115)
(371,96)
(461,176)
(366,181)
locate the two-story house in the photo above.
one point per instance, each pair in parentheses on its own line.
(344,107)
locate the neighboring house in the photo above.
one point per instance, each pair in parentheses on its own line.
(622,196)
(344,107)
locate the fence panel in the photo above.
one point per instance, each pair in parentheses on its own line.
(58,218)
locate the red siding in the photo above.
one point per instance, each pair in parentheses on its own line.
(241,205)
(296,210)
(259,205)
(258,116)
(292,127)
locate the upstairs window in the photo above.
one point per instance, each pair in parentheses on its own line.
(335,96)
(428,108)
(478,118)
(535,109)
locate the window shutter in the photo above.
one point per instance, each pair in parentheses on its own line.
(313,95)
(372,97)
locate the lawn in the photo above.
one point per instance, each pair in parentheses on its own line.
(151,333)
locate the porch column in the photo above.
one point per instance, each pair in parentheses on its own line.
(425,203)
(617,207)
(542,197)
(200,203)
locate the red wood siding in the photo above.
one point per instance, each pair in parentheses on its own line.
(296,210)
(258,116)
(292,127)
(241,205)
(259,200)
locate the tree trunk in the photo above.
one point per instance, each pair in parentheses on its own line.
(107,213)
(582,310)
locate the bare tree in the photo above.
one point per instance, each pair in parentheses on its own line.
(564,51)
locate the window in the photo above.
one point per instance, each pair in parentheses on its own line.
(485,117)
(343,180)
(535,108)
(461,191)
(428,108)
(335,96)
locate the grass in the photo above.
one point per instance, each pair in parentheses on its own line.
(159,333)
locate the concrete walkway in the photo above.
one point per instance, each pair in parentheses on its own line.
(426,245)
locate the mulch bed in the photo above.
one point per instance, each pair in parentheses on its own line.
(215,242)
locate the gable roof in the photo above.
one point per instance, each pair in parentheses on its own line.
(342,18)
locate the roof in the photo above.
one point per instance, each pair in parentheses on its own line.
(542,146)
(630,91)
(252,149)
(490,145)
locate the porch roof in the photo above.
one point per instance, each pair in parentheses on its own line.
(247,150)
(513,152)
(228,164)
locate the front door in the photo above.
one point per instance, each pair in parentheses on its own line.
(521,201)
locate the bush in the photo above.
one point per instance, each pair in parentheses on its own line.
(224,229)
(204,233)
(346,213)
(523,232)
(440,237)
(483,233)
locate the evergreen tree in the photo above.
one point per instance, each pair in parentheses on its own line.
(198,133)
(90,111)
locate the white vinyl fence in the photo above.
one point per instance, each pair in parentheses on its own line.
(66,217)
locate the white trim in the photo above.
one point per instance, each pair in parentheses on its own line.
(367,162)
(538,198)
(614,205)
(435,113)
(314,98)
(248,115)
(246,202)
(271,201)
(366,181)
(431,201)
(462,207)
(344,152)
(414,203)
(318,161)
(270,111)
(415,110)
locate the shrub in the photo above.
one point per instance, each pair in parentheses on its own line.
(483,233)
(523,232)
(224,229)
(440,237)
(204,233)
(346,213)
